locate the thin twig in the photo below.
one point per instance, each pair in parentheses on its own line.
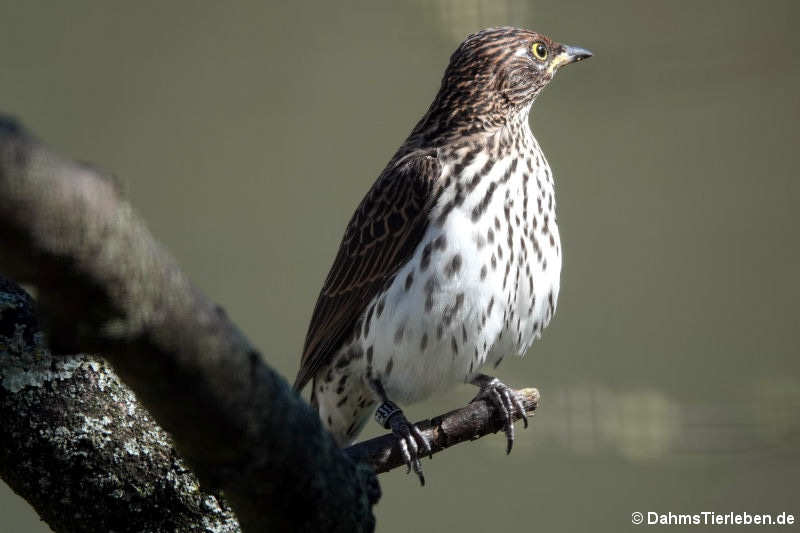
(472,422)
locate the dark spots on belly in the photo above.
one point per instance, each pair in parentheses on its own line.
(342,382)
(431,286)
(476,178)
(497,363)
(409,280)
(440,243)
(398,335)
(463,333)
(483,272)
(537,249)
(426,257)
(451,310)
(389,366)
(480,208)
(342,401)
(525,177)
(351,429)
(489,308)
(494,262)
(454,345)
(450,205)
(509,171)
(453,266)
(439,331)
(490,235)
(424,342)
(379,308)
(330,422)
(369,355)
(363,402)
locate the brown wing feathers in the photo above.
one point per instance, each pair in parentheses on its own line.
(380,238)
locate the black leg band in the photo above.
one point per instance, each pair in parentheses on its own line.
(386,411)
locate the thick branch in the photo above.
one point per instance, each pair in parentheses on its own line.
(468,423)
(75,443)
(106,286)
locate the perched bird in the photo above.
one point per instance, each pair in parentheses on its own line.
(452,259)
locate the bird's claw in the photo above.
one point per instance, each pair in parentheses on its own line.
(507,401)
(409,437)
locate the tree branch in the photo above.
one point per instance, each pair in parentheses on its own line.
(106,286)
(75,443)
(472,422)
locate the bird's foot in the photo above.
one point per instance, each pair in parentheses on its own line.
(410,439)
(505,399)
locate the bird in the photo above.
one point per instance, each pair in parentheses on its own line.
(452,259)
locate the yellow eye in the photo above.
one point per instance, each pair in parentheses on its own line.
(540,51)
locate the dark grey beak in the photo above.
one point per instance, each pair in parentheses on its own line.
(575,54)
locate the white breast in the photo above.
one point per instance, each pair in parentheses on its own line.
(482,284)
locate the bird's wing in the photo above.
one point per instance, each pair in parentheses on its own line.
(380,238)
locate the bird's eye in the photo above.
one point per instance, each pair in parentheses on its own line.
(540,51)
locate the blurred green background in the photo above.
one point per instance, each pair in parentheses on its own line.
(246,133)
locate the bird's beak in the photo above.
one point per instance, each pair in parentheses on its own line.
(569,54)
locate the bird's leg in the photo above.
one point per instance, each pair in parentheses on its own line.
(409,437)
(504,398)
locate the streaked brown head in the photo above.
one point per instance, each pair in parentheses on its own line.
(497,73)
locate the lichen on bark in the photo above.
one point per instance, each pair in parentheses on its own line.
(76,444)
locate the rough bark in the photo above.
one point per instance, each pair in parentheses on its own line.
(106,286)
(76,444)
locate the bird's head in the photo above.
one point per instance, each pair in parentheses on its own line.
(498,72)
